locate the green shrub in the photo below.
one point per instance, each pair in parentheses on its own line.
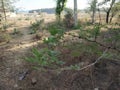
(27,18)
(56,33)
(4,26)
(15,31)
(69,20)
(48,57)
(38,25)
(75,67)
(44,58)
(90,34)
(5,38)
(19,19)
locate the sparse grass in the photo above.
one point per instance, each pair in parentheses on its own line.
(5,38)
(68,20)
(44,58)
(15,31)
(36,26)
(27,18)
(66,58)
(19,19)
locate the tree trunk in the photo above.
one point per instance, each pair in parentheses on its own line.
(108,12)
(100,21)
(93,17)
(75,13)
(3,7)
(111,18)
(107,16)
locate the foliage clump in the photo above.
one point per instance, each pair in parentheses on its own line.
(44,57)
(5,38)
(60,6)
(48,56)
(37,25)
(68,19)
(56,33)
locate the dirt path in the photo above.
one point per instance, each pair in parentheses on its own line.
(11,59)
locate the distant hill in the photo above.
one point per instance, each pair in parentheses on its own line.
(46,10)
(52,10)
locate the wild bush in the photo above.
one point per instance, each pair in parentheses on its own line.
(56,33)
(44,57)
(27,18)
(68,19)
(15,31)
(37,25)
(48,57)
(19,19)
(4,38)
(90,34)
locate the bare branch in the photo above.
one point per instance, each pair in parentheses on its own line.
(85,67)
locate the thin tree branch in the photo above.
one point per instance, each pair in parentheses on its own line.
(94,41)
(85,67)
(95,61)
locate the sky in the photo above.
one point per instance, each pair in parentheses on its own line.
(38,4)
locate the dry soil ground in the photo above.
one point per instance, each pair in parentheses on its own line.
(17,74)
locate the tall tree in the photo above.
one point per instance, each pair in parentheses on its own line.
(108,10)
(3,9)
(115,10)
(6,5)
(61,5)
(93,8)
(75,13)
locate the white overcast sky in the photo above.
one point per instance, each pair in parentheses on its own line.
(38,4)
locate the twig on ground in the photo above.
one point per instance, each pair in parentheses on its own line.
(94,41)
(85,67)
(68,68)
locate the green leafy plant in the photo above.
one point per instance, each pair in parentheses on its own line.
(55,30)
(51,40)
(69,20)
(75,67)
(19,19)
(27,18)
(15,31)
(90,33)
(5,38)
(48,57)
(59,8)
(56,33)
(44,58)
(5,27)
(37,25)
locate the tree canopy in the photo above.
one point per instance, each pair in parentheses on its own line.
(60,6)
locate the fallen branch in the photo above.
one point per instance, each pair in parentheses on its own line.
(94,41)
(95,61)
(85,67)
(68,68)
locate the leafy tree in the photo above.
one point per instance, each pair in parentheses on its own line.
(93,8)
(3,8)
(6,5)
(60,7)
(115,10)
(69,19)
(108,10)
